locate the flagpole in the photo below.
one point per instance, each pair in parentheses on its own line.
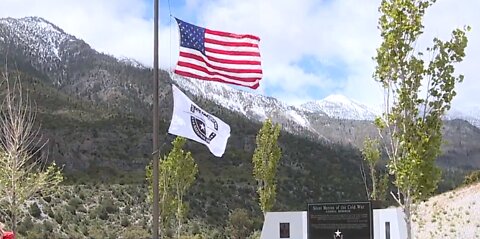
(156,120)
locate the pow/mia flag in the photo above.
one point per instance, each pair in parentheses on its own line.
(192,122)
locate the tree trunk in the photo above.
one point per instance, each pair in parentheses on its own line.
(409,225)
(14,222)
(179,211)
(374,182)
(14,212)
(163,226)
(408,216)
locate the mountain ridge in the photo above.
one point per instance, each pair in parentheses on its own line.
(335,105)
(125,85)
(339,106)
(119,89)
(96,112)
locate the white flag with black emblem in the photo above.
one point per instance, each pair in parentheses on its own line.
(192,122)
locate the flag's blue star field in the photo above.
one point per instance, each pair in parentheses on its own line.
(192,36)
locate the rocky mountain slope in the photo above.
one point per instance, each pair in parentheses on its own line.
(453,214)
(259,107)
(337,119)
(95,110)
(339,106)
(75,85)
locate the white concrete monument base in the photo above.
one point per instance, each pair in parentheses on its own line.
(387,224)
(297,223)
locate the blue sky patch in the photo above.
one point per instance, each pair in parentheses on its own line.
(334,70)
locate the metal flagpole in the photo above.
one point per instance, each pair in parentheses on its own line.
(156,120)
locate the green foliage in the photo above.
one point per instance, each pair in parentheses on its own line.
(124,222)
(198,229)
(24,172)
(72,119)
(255,235)
(383,185)
(93,133)
(191,237)
(239,225)
(265,160)
(177,172)
(75,202)
(380,181)
(371,151)
(371,154)
(35,210)
(135,232)
(413,123)
(25,225)
(58,218)
(108,205)
(473,177)
(69,120)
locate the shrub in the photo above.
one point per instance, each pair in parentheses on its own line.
(109,206)
(124,222)
(47,199)
(472,178)
(239,224)
(75,202)
(49,212)
(25,225)
(255,235)
(35,210)
(58,218)
(47,226)
(82,209)
(135,232)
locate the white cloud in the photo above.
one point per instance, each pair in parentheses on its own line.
(112,26)
(444,17)
(333,32)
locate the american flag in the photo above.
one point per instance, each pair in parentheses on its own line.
(218,56)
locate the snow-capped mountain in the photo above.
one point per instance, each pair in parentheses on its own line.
(42,38)
(259,107)
(132,62)
(253,106)
(76,82)
(471,115)
(339,106)
(49,48)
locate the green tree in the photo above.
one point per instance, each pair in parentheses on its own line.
(24,171)
(177,173)
(371,154)
(239,225)
(411,123)
(265,160)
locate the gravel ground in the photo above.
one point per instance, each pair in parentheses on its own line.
(454,214)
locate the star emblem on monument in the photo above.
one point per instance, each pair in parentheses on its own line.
(338,234)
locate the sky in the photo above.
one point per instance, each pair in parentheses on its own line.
(310,48)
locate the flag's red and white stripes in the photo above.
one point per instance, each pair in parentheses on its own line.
(230,58)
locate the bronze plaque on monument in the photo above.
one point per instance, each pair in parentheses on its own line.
(346,220)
